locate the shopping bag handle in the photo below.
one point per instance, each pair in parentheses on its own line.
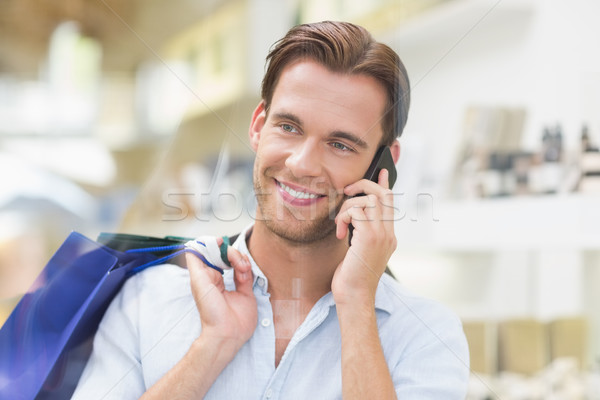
(178,250)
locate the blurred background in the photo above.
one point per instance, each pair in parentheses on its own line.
(132,116)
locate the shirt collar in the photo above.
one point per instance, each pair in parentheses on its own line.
(382,296)
(382,300)
(242,246)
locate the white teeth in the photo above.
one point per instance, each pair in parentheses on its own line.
(297,194)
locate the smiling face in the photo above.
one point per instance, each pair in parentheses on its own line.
(319,135)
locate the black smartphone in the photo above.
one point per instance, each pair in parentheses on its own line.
(382,160)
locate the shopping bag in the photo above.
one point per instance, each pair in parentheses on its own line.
(46,341)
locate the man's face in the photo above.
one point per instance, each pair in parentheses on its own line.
(320,135)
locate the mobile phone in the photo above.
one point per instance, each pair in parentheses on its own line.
(382,160)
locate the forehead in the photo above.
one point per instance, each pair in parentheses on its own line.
(331,100)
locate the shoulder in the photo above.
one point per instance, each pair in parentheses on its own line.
(422,321)
(397,300)
(159,284)
(161,272)
(152,305)
(424,343)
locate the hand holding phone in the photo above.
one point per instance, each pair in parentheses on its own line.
(382,160)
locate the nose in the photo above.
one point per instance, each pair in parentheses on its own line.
(305,159)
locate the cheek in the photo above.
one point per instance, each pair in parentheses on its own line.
(270,152)
(270,156)
(344,174)
(273,151)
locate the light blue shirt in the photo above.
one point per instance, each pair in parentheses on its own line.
(153,321)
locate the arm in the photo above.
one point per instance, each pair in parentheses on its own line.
(437,364)
(193,375)
(365,373)
(228,320)
(113,370)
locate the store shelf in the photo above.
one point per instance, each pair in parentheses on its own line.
(561,221)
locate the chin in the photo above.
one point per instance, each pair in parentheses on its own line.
(301,225)
(299,231)
(298,227)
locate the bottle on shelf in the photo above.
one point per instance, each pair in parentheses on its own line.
(589,164)
(548,176)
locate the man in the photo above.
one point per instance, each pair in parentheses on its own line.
(304,314)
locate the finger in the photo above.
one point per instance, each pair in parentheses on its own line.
(352,215)
(371,209)
(242,270)
(386,196)
(369,201)
(203,278)
(343,217)
(387,207)
(200,273)
(363,186)
(235,257)
(341,228)
(384,178)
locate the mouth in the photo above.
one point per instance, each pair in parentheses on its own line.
(296,195)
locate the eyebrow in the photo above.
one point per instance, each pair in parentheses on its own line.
(350,137)
(357,140)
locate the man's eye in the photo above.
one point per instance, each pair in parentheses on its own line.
(288,128)
(341,146)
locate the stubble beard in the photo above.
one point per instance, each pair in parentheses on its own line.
(287,222)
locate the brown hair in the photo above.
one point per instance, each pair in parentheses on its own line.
(345,48)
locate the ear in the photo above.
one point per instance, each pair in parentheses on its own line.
(395,150)
(256,124)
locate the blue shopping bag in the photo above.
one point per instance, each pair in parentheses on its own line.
(47,339)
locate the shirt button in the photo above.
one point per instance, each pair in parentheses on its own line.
(265,322)
(261,281)
(268,393)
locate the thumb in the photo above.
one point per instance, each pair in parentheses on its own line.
(242,270)
(203,279)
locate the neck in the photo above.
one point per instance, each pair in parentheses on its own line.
(296,271)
